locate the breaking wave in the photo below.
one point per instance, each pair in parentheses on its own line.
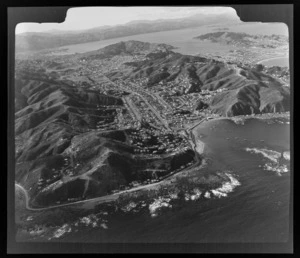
(92,220)
(275,165)
(269,154)
(154,206)
(287,155)
(276,168)
(158,204)
(226,187)
(61,231)
(195,194)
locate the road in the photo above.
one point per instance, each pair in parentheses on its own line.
(132,108)
(99,200)
(155,112)
(163,122)
(115,196)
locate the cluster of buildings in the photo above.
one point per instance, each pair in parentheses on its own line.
(249,55)
(149,141)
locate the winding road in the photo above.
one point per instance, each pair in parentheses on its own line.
(115,196)
(99,200)
(112,197)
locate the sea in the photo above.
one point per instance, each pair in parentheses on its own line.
(253,207)
(184,40)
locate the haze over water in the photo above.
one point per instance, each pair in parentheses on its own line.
(184,40)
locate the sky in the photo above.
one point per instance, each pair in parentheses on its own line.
(81,18)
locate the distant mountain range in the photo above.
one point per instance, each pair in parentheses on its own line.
(34,41)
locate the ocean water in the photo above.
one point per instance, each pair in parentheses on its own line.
(253,206)
(184,40)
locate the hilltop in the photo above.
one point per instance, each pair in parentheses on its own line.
(131,47)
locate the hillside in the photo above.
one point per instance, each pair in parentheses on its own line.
(95,123)
(247,89)
(62,153)
(69,145)
(245,40)
(125,48)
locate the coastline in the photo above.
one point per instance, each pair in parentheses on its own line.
(199,147)
(265,116)
(272,58)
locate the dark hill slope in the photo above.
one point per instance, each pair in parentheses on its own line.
(251,99)
(167,66)
(61,154)
(207,74)
(246,90)
(46,102)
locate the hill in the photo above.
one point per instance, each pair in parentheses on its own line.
(245,40)
(97,122)
(248,90)
(131,47)
(68,145)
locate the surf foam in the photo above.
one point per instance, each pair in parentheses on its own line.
(273,156)
(226,187)
(158,204)
(269,154)
(61,231)
(275,168)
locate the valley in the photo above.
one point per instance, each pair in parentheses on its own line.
(111,119)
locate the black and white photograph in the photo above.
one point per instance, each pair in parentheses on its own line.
(152,124)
